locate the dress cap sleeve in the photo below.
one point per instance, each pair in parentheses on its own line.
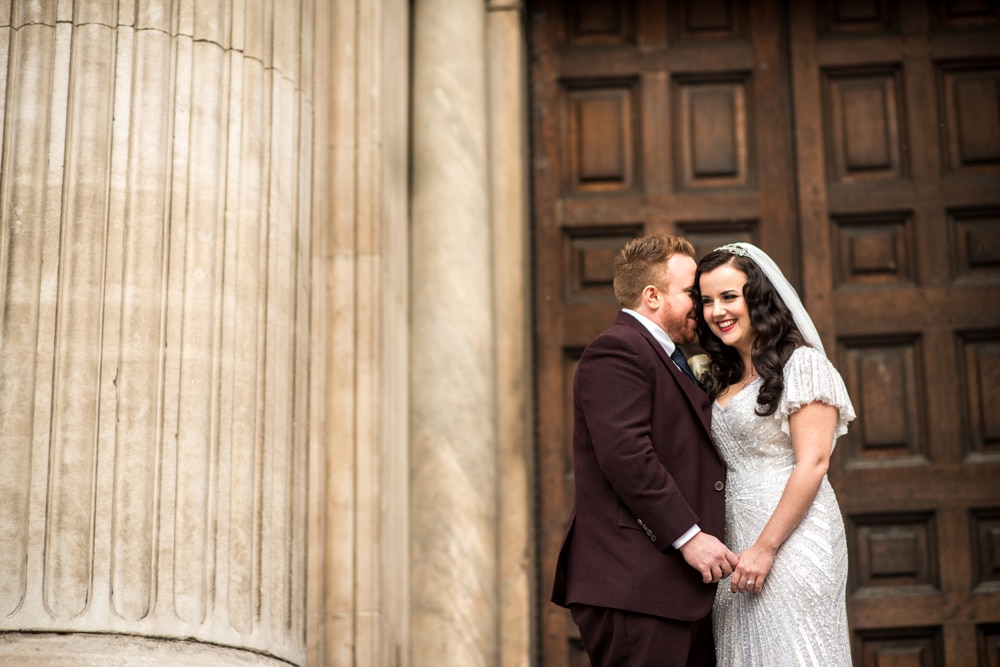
(810,377)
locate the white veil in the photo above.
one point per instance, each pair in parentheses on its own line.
(785,290)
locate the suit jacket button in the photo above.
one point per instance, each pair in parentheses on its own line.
(719,486)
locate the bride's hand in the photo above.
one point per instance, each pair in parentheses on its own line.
(752,569)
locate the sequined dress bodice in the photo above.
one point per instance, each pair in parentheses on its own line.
(800,616)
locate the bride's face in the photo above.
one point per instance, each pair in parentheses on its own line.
(724,308)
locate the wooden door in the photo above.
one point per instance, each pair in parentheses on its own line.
(880,197)
(898,152)
(647,117)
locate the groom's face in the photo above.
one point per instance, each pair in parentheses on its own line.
(676,312)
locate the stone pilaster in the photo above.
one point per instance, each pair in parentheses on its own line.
(155,201)
(358,594)
(508,97)
(453,462)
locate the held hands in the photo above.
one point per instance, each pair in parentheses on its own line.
(709,556)
(753,567)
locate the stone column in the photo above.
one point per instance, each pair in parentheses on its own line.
(508,95)
(453,457)
(155,202)
(357,598)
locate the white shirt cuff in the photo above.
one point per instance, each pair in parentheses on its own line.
(683,539)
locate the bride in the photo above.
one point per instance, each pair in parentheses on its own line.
(779,406)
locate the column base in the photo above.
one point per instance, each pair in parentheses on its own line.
(31,649)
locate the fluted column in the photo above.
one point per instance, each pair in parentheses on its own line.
(453,457)
(153,360)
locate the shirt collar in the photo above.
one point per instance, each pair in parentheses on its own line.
(658,333)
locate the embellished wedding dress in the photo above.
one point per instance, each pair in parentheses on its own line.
(799,618)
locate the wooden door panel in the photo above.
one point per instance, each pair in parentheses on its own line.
(970,110)
(898,189)
(599,131)
(881,376)
(981,360)
(865,125)
(711,142)
(599,22)
(873,249)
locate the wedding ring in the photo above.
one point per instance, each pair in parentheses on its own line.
(749,582)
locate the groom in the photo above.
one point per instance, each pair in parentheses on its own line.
(640,558)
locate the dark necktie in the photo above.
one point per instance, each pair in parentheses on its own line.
(682,363)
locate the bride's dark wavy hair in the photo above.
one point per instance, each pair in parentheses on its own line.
(775,333)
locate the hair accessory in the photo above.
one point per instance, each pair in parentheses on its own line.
(784,289)
(734,249)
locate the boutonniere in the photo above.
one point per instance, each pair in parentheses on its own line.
(699,364)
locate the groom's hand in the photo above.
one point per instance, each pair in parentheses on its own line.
(709,556)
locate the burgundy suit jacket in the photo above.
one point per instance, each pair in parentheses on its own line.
(646,470)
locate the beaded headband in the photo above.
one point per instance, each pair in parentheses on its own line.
(734,249)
